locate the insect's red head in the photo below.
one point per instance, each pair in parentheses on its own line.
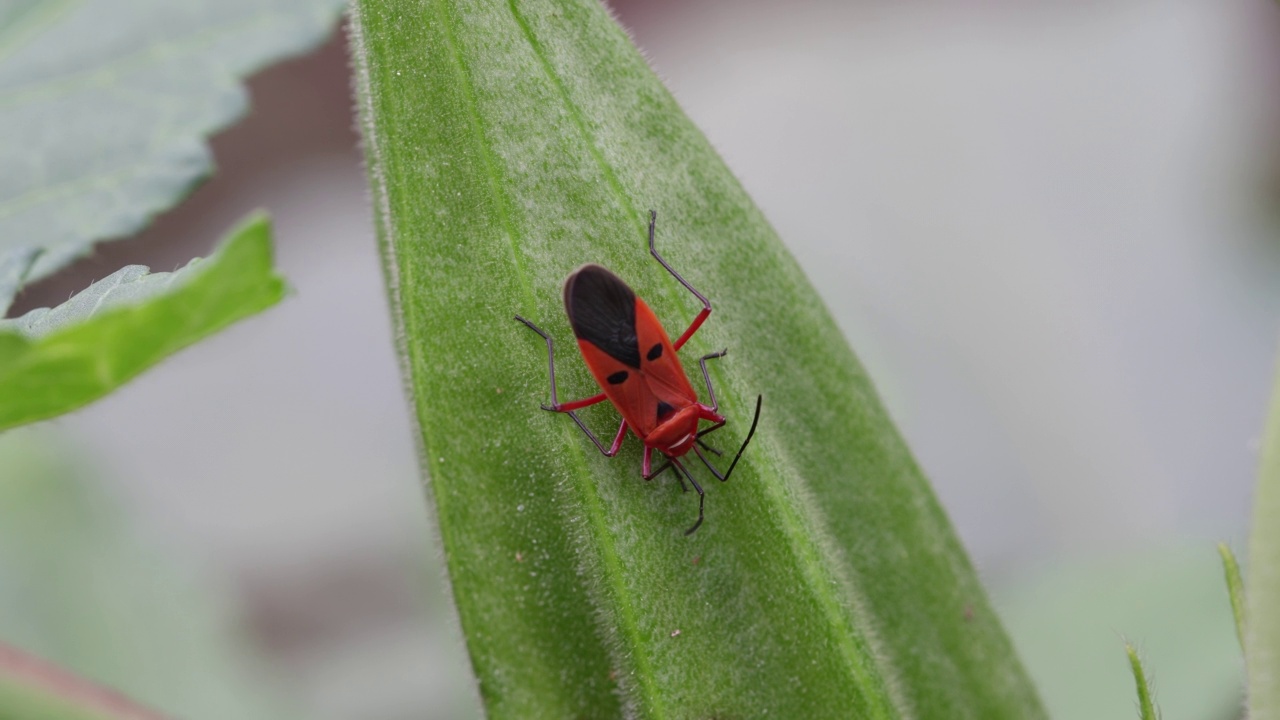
(677,434)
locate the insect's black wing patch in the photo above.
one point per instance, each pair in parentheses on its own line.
(602,310)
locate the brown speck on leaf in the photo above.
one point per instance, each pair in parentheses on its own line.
(697,559)
(519,556)
(968,613)
(675,633)
(613,675)
(498,390)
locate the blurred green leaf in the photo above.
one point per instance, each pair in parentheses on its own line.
(54,361)
(507,144)
(105,104)
(1146,705)
(1235,588)
(13,270)
(1262,592)
(82,586)
(1066,625)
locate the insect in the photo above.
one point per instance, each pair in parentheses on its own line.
(635,364)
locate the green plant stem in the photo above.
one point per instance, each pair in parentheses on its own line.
(31,689)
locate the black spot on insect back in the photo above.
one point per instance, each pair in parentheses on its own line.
(655,352)
(664,410)
(617,378)
(602,311)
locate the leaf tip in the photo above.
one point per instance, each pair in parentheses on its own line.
(1146,703)
(1235,588)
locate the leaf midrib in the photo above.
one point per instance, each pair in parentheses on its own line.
(629,625)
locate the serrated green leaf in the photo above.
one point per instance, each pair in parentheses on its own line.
(130,285)
(54,361)
(507,144)
(1262,591)
(82,585)
(105,104)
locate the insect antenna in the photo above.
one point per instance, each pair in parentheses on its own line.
(751,432)
(754,421)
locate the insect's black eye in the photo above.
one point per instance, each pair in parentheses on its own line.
(655,352)
(617,378)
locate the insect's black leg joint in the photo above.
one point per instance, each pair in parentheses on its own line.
(665,466)
(680,473)
(696,525)
(702,497)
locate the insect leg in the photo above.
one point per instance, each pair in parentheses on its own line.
(661,469)
(710,467)
(706,376)
(555,405)
(713,428)
(706,304)
(702,497)
(569,408)
(648,452)
(617,441)
(705,431)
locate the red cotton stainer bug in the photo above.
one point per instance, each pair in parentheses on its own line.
(635,363)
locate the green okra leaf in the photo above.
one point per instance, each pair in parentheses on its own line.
(55,360)
(509,142)
(105,104)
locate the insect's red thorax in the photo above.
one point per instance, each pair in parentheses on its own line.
(676,436)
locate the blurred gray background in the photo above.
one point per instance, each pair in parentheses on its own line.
(1046,228)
